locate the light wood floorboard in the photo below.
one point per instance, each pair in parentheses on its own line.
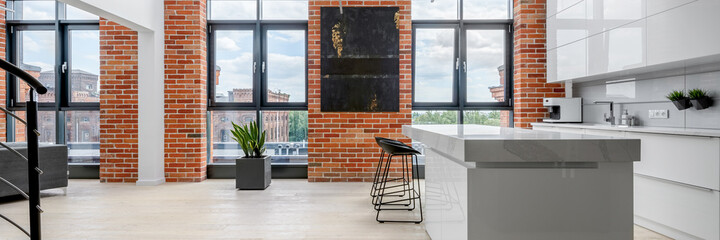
(213,209)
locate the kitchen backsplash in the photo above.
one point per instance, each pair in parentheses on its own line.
(647,92)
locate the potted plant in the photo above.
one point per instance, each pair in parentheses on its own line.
(700,98)
(678,98)
(253,170)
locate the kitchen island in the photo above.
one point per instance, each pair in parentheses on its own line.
(484,182)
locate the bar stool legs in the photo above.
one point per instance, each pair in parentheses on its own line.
(412,191)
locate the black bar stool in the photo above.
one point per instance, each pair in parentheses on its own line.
(411,193)
(378,171)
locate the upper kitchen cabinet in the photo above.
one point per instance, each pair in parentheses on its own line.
(567,26)
(605,15)
(568,61)
(618,49)
(556,6)
(627,38)
(658,6)
(684,32)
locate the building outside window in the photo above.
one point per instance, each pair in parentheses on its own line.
(32,44)
(257,50)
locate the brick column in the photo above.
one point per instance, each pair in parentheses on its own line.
(3,85)
(185,91)
(341,145)
(530,58)
(118,103)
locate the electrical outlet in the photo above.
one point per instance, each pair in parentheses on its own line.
(659,113)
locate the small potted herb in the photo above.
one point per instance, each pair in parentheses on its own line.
(700,98)
(253,170)
(678,98)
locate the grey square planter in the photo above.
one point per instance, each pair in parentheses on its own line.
(252,173)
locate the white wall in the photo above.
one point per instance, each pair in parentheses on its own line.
(147,18)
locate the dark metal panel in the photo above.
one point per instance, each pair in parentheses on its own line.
(279,171)
(84,171)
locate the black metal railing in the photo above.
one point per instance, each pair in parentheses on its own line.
(32,134)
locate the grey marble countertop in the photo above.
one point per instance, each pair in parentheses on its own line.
(642,129)
(478,143)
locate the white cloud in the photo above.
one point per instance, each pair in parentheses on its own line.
(287,74)
(440,9)
(38,10)
(485,9)
(292,9)
(235,73)
(89,35)
(287,36)
(227,44)
(228,10)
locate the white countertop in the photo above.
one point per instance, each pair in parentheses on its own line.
(642,129)
(478,143)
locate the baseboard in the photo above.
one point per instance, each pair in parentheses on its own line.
(662,228)
(152,182)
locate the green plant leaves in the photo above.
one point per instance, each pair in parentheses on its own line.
(676,95)
(697,93)
(250,138)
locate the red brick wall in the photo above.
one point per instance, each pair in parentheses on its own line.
(185,91)
(341,146)
(118,103)
(530,64)
(3,40)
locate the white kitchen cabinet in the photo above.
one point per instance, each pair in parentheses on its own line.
(683,32)
(556,6)
(626,46)
(567,26)
(571,61)
(658,6)
(624,38)
(551,66)
(675,210)
(619,49)
(669,35)
(685,159)
(605,15)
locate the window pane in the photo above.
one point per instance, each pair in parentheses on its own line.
(490,118)
(37,57)
(285,9)
(234,66)
(233,10)
(85,62)
(486,9)
(434,117)
(46,127)
(434,65)
(82,134)
(224,148)
(485,66)
(73,13)
(286,65)
(286,133)
(439,9)
(34,10)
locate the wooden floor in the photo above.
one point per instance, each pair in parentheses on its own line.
(289,209)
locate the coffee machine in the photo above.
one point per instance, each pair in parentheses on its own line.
(565,110)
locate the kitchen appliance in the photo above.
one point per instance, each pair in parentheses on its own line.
(566,110)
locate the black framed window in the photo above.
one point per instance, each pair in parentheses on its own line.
(258,56)
(59,45)
(462,62)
